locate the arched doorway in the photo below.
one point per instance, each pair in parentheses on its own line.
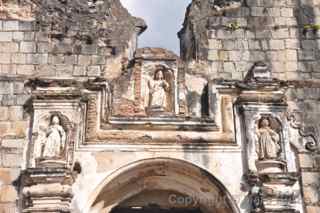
(161,185)
(158,201)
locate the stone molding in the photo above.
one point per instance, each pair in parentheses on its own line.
(46,190)
(92,95)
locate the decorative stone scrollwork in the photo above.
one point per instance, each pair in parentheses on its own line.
(311,144)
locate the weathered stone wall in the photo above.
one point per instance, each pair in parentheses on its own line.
(80,41)
(221,39)
(305,104)
(309,165)
(28,52)
(231,38)
(13,137)
(224,41)
(52,44)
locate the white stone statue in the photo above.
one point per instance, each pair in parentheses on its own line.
(158,92)
(55,139)
(268,141)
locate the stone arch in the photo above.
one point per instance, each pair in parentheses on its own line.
(162,174)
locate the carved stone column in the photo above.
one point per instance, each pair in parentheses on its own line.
(262,106)
(56,127)
(47,190)
(274,193)
(272,173)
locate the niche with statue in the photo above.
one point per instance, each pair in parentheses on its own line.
(269,145)
(53,137)
(155,92)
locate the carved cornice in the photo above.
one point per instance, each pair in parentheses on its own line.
(102,128)
(45,175)
(42,187)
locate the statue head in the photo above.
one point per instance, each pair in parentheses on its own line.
(158,75)
(264,122)
(55,119)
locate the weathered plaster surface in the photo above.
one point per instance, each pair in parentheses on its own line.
(87,68)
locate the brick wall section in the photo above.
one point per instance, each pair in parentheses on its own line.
(277,32)
(30,49)
(137,83)
(307,105)
(310,176)
(267,32)
(272,31)
(42,48)
(13,130)
(24,51)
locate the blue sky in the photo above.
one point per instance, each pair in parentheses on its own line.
(164,19)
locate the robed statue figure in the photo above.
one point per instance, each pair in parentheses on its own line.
(158,92)
(268,141)
(55,139)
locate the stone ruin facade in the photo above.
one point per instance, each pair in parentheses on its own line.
(90,123)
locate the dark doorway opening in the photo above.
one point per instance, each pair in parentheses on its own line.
(154,209)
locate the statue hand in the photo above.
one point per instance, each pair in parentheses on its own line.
(165,85)
(49,131)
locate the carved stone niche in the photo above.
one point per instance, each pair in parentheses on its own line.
(269,145)
(56,126)
(152,93)
(272,170)
(263,108)
(53,136)
(266,147)
(150,88)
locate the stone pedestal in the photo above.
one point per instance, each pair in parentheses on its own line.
(274,192)
(51,163)
(158,112)
(270,166)
(263,105)
(47,190)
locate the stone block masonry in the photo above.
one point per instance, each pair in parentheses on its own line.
(281,33)
(37,44)
(13,138)
(257,31)
(41,55)
(93,54)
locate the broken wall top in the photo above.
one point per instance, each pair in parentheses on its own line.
(93,21)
